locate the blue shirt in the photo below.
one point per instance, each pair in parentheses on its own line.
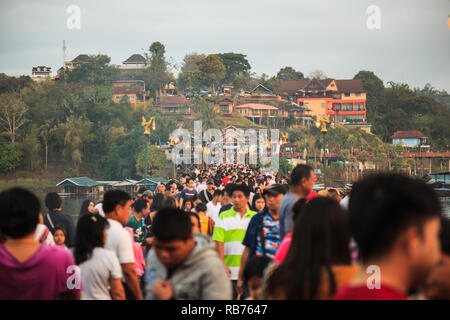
(271,230)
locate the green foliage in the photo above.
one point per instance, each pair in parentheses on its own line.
(156,160)
(211,70)
(207,114)
(284,167)
(9,157)
(235,64)
(95,71)
(289,73)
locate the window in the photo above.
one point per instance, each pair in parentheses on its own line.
(323,104)
(347,119)
(347,94)
(338,106)
(358,118)
(224,108)
(347,107)
(357,94)
(358,107)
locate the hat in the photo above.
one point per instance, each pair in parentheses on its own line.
(276,189)
(210,181)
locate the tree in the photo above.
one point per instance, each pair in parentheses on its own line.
(9,158)
(95,71)
(158,68)
(211,70)
(46,133)
(317,74)
(285,167)
(31,149)
(235,64)
(12,84)
(156,159)
(12,114)
(208,115)
(189,73)
(77,133)
(289,73)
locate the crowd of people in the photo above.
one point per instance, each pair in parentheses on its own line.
(230,232)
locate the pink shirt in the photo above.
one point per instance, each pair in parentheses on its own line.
(139,261)
(284,248)
(44,276)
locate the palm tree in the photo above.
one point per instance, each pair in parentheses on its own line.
(208,115)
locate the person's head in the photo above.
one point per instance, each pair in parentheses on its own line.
(394,216)
(188,205)
(240,195)
(87,207)
(19,213)
(302,178)
(53,201)
(258,190)
(274,195)
(196,200)
(116,205)
(59,234)
(320,240)
(141,192)
(227,193)
(210,184)
(253,275)
(90,233)
(190,184)
(141,206)
(161,188)
(170,202)
(158,201)
(148,195)
(445,235)
(258,202)
(195,221)
(200,209)
(333,193)
(218,195)
(173,237)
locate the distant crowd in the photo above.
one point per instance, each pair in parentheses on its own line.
(230,232)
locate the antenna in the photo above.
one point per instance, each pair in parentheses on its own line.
(64,52)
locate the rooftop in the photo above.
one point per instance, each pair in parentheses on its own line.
(408,134)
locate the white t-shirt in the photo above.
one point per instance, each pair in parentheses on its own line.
(119,242)
(212,211)
(99,207)
(201,187)
(97,272)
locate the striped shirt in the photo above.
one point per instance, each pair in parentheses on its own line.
(230,229)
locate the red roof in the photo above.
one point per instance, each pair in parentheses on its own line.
(408,134)
(174,100)
(257,106)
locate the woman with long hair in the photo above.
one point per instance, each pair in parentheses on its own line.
(318,262)
(258,202)
(87,207)
(101,272)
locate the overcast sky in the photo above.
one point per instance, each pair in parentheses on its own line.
(412,46)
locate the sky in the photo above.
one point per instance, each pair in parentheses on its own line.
(412,44)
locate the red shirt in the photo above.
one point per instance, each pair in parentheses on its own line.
(313,194)
(364,293)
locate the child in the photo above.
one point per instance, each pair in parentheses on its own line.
(60,235)
(253,275)
(206,223)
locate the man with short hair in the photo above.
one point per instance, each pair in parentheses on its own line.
(302,182)
(230,231)
(226,199)
(395,221)
(55,216)
(262,237)
(213,207)
(206,195)
(187,193)
(182,265)
(136,222)
(116,204)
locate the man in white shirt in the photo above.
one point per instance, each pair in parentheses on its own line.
(116,205)
(213,207)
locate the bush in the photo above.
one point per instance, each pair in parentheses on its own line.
(9,157)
